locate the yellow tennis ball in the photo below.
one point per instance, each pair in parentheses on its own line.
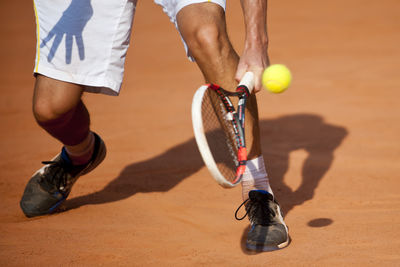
(276,78)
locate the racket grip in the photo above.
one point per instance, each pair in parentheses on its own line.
(248,81)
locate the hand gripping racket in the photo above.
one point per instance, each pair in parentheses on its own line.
(219,129)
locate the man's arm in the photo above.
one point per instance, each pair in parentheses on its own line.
(255,53)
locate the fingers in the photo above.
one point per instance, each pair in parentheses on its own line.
(54,47)
(241,70)
(48,38)
(257,78)
(254,60)
(68,48)
(81,47)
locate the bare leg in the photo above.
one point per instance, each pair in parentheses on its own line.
(203,28)
(58,109)
(53,98)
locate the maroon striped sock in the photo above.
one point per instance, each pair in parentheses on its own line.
(82,153)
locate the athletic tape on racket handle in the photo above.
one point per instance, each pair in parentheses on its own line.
(248,80)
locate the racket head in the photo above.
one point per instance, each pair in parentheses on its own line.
(215,136)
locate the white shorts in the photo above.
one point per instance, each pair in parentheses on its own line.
(85,42)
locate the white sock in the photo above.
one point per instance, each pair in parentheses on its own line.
(255,177)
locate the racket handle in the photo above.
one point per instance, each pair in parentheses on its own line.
(248,81)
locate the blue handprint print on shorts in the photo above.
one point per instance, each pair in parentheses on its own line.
(84,41)
(71,24)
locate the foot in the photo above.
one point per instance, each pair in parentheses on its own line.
(51,185)
(268,230)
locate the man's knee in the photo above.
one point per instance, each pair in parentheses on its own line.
(46,111)
(206,38)
(70,127)
(54,99)
(203,28)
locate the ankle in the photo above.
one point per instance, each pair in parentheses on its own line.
(81,153)
(255,178)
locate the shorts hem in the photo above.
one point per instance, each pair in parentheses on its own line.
(91,84)
(182,4)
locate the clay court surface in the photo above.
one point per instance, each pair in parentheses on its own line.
(331,146)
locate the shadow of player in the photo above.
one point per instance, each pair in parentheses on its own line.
(290,133)
(71,24)
(280,136)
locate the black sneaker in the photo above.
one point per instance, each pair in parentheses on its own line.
(51,185)
(268,230)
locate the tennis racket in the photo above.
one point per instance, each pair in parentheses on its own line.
(219,129)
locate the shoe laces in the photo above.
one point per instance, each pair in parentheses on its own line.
(56,174)
(258,210)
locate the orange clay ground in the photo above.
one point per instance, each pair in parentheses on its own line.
(331,145)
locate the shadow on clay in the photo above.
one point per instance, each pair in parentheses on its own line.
(280,137)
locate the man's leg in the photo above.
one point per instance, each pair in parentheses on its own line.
(58,109)
(57,105)
(203,28)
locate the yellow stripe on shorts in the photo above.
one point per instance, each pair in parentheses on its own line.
(38,37)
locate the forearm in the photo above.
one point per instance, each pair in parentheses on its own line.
(255,54)
(255,18)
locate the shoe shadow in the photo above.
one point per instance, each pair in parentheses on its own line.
(279,137)
(243,243)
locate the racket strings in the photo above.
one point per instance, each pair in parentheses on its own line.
(236,117)
(220,133)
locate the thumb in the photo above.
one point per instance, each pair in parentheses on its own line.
(241,70)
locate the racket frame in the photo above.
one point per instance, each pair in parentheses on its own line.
(244,89)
